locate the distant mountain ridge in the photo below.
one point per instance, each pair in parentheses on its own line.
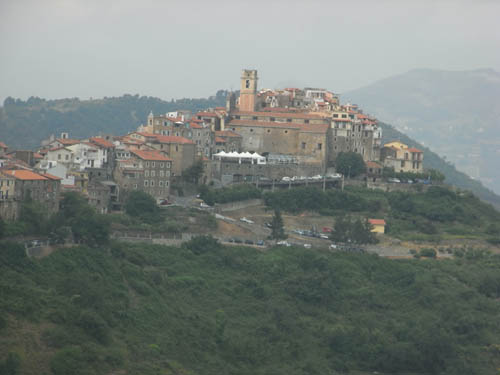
(23,124)
(456,113)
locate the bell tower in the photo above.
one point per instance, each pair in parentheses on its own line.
(248,90)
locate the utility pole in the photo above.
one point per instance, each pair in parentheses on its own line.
(343,182)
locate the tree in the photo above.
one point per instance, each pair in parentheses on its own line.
(142,205)
(2,228)
(350,164)
(193,173)
(277,228)
(357,231)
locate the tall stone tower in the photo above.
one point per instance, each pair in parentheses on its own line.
(248,90)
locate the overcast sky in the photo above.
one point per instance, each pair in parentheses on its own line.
(174,49)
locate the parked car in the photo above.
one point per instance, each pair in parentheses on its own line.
(334,175)
(295,178)
(333,246)
(245,220)
(307,245)
(323,236)
(204,205)
(237,240)
(260,243)
(317,177)
(269,225)
(283,243)
(394,180)
(286,179)
(327,230)
(164,202)
(249,242)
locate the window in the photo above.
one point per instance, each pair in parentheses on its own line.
(247,84)
(319,146)
(168,165)
(152,173)
(344,116)
(58,156)
(167,174)
(161,173)
(146,182)
(146,173)
(306,121)
(176,148)
(237,117)
(254,118)
(166,183)
(135,186)
(66,157)
(269,130)
(160,183)
(335,115)
(406,156)
(402,163)
(162,165)
(251,130)
(153,164)
(303,145)
(272,119)
(147,164)
(288,120)
(286,131)
(152,183)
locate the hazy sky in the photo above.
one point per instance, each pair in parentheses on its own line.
(174,49)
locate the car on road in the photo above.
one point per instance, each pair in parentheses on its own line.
(323,236)
(249,242)
(260,243)
(286,179)
(307,245)
(164,202)
(317,177)
(269,225)
(394,180)
(334,175)
(237,240)
(283,243)
(204,205)
(245,220)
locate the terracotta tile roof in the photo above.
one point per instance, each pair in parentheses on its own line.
(195,125)
(264,124)
(67,141)
(146,135)
(342,120)
(219,140)
(37,155)
(150,155)
(227,133)
(51,176)
(413,149)
(376,221)
(305,116)
(207,114)
(22,174)
(3,145)
(101,142)
(172,139)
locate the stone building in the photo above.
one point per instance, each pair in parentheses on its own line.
(18,185)
(181,150)
(148,171)
(401,158)
(228,141)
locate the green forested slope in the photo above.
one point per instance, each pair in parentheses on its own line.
(23,124)
(210,309)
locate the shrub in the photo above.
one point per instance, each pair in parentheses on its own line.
(94,326)
(428,252)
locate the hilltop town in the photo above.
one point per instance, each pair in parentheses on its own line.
(260,137)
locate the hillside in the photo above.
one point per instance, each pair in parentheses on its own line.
(210,309)
(23,124)
(432,160)
(455,113)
